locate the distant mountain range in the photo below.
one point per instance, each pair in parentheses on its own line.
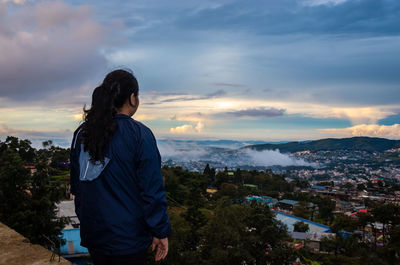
(231,144)
(369,144)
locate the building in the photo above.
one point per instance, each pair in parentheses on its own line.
(311,241)
(289,220)
(71,233)
(251,186)
(32,169)
(287,205)
(271,202)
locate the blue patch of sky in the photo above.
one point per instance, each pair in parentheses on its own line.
(390,120)
(367,17)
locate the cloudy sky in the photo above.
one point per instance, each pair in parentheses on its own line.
(248,69)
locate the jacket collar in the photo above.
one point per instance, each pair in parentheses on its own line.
(123,116)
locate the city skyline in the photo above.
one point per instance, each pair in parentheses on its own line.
(244,70)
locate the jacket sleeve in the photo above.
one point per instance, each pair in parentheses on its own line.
(74,171)
(152,185)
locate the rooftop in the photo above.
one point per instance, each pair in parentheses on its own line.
(290,220)
(290,202)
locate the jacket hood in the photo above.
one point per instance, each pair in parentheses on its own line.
(89,170)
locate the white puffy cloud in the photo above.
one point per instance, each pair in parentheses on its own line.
(188,128)
(199,127)
(372,130)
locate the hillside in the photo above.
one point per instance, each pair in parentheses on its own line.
(369,144)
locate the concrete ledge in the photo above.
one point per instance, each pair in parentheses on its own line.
(16,250)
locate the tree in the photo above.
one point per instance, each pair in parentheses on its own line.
(220,178)
(392,250)
(22,147)
(386,214)
(325,208)
(300,226)
(27,204)
(341,245)
(240,234)
(228,189)
(343,223)
(180,250)
(194,217)
(363,220)
(266,237)
(210,174)
(302,210)
(44,197)
(238,178)
(14,196)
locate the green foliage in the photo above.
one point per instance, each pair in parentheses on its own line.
(210,174)
(14,198)
(229,190)
(301,183)
(340,245)
(300,226)
(22,147)
(343,223)
(43,199)
(219,230)
(27,203)
(302,210)
(325,208)
(238,233)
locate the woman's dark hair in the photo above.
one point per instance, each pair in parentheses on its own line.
(99,126)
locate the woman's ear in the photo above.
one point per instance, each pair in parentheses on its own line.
(133,100)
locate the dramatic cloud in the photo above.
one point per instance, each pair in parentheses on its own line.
(188,128)
(314,63)
(372,130)
(51,47)
(257,112)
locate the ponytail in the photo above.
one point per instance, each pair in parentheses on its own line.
(100,126)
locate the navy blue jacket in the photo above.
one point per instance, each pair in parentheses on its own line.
(120,204)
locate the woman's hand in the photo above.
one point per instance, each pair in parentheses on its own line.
(162,248)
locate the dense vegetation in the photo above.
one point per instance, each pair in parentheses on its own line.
(223,223)
(27,201)
(208,228)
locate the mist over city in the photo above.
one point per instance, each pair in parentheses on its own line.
(228,154)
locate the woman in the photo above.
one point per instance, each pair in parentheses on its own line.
(116,178)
